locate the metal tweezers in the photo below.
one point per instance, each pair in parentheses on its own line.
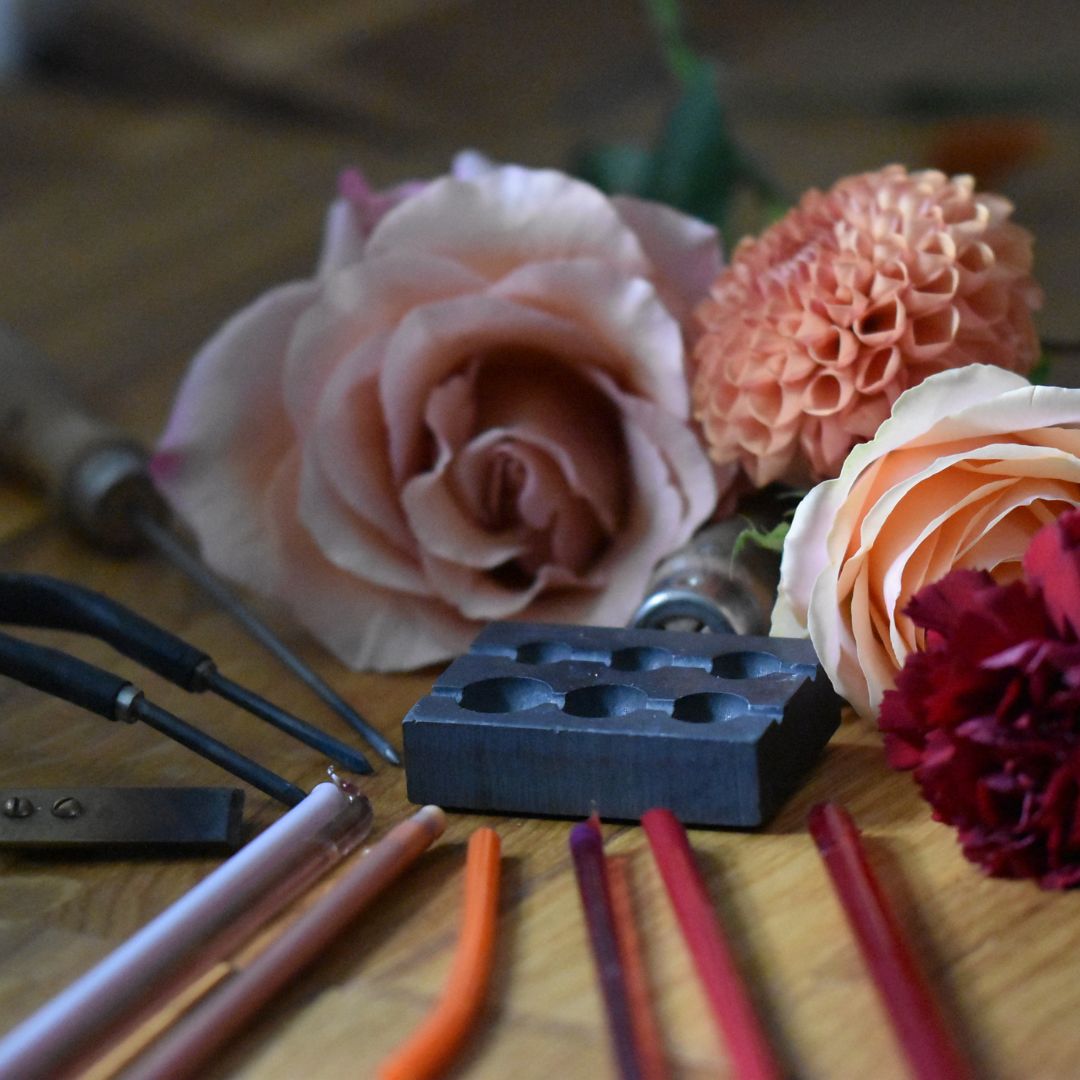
(36,600)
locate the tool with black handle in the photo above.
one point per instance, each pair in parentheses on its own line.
(37,600)
(99,478)
(67,677)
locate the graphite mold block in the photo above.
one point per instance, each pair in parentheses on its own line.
(564,720)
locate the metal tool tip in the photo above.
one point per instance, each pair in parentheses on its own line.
(354,761)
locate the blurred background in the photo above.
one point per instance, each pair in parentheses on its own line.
(205,138)
(163,162)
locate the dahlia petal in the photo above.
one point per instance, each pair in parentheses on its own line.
(932,293)
(866,414)
(877,256)
(828,393)
(882,323)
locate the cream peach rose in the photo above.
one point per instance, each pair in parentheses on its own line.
(476,410)
(967,468)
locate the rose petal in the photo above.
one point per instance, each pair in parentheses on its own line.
(507,217)
(228,434)
(571,416)
(684,250)
(365,626)
(433,341)
(356,305)
(349,540)
(659,449)
(343,238)
(523,410)
(966,469)
(435,431)
(637,340)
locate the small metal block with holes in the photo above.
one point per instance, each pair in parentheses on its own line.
(564,720)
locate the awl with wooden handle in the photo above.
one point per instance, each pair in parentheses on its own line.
(100,481)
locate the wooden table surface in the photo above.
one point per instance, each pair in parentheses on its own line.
(137,213)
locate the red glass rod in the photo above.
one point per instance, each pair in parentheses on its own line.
(748,1047)
(921,1029)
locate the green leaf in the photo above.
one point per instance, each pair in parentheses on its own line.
(1040,373)
(666,17)
(614,169)
(773,540)
(774,209)
(695,164)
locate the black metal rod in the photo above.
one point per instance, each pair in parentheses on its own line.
(208,747)
(182,559)
(41,601)
(285,721)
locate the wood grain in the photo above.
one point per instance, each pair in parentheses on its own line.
(135,218)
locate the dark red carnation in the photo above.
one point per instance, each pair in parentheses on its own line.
(988,713)
(1052,563)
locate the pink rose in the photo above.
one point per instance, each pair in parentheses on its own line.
(971,463)
(476,410)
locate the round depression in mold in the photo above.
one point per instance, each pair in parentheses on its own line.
(606,699)
(641,658)
(544,652)
(504,695)
(746,665)
(709,708)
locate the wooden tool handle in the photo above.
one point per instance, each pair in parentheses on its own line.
(94,473)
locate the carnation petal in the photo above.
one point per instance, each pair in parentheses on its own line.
(1052,562)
